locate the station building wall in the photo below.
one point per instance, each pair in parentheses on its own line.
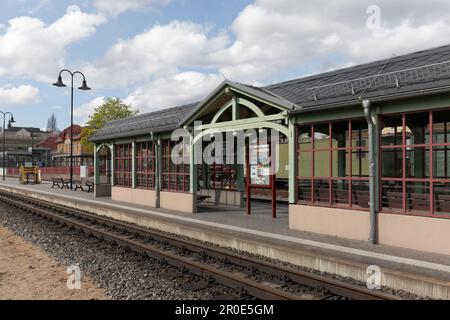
(135,196)
(413,175)
(411,232)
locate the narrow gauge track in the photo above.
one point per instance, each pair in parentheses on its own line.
(247,275)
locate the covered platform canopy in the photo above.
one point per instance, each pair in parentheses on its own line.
(350,166)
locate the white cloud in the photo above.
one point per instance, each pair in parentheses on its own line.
(85,110)
(158,52)
(182,88)
(116,7)
(18,95)
(275,36)
(29,47)
(270,39)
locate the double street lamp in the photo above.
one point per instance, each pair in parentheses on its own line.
(83,87)
(11,120)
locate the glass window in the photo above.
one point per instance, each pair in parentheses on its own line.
(175,175)
(391,130)
(333,147)
(406,158)
(145,165)
(442,198)
(417,128)
(304,138)
(123,157)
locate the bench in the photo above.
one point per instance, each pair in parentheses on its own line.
(78,185)
(65,183)
(61,183)
(56,182)
(201,198)
(90,186)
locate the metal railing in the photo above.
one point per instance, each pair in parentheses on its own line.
(394,79)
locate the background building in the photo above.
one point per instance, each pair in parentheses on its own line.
(81,155)
(19,142)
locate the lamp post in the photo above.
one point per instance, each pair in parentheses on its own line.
(11,120)
(32,149)
(84,87)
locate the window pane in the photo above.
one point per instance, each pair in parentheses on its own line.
(391,163)
(441,126)
(322,164)
(442,198)
(418,196)
(340,134)
(340,189)
(441,162)
(340,163)
(360,194)
(321,136)
(391,131)
(359,133)
(304,191)
(304,164)
(417,163)
(417,128)
(391,195)
(304,138)
(321,192)
(360,163)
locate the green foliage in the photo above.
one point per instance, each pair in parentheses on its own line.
(111,109)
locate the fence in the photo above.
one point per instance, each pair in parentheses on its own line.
(53,170)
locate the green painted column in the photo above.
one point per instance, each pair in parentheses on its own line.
(419,153)
(192,168)
(112,163)
(158,166)
(235,109)
(293,159)
(240,169)
(133,164)
(96,168)
(240,179)
(341,155)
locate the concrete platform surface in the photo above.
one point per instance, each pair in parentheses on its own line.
(421,273)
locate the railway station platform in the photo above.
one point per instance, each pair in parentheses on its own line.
(420,273)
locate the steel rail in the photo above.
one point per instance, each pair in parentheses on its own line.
(335,287)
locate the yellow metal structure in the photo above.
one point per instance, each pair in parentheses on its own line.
(30,175)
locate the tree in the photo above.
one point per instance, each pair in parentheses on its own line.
(111,109)
(52,124)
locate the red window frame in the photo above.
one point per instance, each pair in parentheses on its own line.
(330,197)
(220,176)
(123,158)
(175,177)
(145,165)
(408,198)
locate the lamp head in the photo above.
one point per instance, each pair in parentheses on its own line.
(59,83)
(84,86)
(12,120)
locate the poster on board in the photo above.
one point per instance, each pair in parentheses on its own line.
(260,171)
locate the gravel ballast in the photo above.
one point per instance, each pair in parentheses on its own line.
(123,274)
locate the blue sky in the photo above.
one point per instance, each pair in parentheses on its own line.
(161,53)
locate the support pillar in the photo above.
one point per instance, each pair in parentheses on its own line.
(112,164)
(133,164)
(158,166)
(193,167)
(293,161)
(96,168)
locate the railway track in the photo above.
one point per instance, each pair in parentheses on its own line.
(249,277)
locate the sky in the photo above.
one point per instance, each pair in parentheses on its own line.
(156,54)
